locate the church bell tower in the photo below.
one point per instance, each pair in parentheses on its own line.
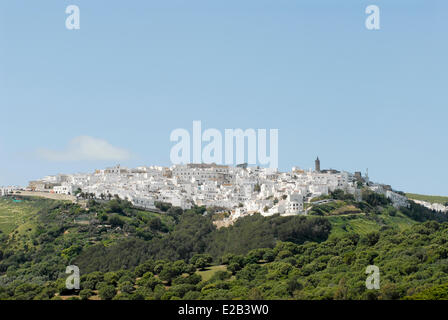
(317,165)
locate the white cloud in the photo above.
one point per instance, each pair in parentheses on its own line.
(85,148)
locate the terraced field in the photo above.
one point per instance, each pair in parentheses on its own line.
(15,214)
(361,225)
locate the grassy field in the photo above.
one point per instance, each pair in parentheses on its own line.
(210,271)
(361,225)
(431,199)
(18,219)
(15,214)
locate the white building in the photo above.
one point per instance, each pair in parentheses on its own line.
(232,188)
(5,191)
(63,189)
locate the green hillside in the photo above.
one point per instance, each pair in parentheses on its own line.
(15,214)
(431,199)
(362,225)
(127,253)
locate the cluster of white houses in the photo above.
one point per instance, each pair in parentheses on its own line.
(240,190)
(5,191)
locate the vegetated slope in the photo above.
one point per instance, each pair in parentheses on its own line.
(275,257)
(432,199)
(18,214)
(373,213)
(113,235)
(413,264)
(435,293)
(364,224)
(55,232)
(195,234)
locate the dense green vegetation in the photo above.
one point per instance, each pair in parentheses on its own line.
(55,232)
(196,233)
(127,253)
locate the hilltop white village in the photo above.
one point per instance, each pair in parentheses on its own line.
(239,190)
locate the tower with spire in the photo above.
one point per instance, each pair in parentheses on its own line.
(317,165)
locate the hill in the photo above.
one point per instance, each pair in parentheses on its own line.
(127,253)
(15,214)
(431,199)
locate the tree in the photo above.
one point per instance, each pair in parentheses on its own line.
(233,267)
(371,238)
(168,273)
(175,212)
(126,287)
(375,199)
(251,272)
(85,294)
(147,266)
(159,291)
(269,255)
(149,281)
(111,278)
(116,221)
(163,206)
(180,266)
(294,284)
(107,292)
(155,224)
(190,269)
(254,256)
(201,261)
(225,259)
(91,280)
(339,194)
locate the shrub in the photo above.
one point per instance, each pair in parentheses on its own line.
(107,292)
(85,294)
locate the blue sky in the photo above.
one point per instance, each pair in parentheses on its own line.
(136,70)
